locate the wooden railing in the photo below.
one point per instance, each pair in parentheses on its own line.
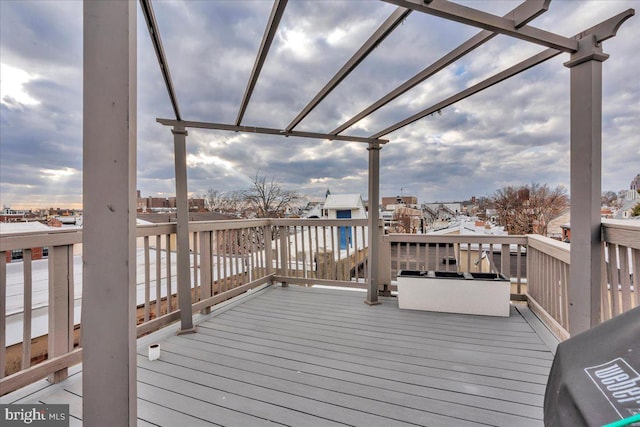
(41,299)
(321,252)
(228,258)
(483,253)
(620,277)
(548,281)
(548,266)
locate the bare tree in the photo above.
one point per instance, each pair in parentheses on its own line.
(609,198)
(404,221)
(529,208)
(269,198)
(228,202)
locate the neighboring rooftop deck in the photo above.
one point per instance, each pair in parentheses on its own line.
(307,356)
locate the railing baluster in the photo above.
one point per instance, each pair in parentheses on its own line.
(27,309)
(604,293)
(147,280)
(220,267)
(356,255)
(333,272)
(505,260)
(3,312)
(206,279)
(158,276)
(296,250)
(625,278)
(60,339)
(237,247)
(196,287)
(436,260)
(325,271)
(168,271)
(226,262)
(635,259)
(518,268)
(613,275)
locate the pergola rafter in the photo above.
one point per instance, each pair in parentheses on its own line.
(603,31)
(525,12)
(372,42)
(154,34)
(269,33)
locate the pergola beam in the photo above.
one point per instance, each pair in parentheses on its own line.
(602,31)
(154,33)
(269,33)
(522,14)
(372,42)
(477,18)
(268,131)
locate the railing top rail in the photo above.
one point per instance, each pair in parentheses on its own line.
(233,224)
(455,238)
(318,222)
(554,248)
(32,239)
(621,232)
(143,230)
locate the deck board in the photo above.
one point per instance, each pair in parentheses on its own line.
(308,356)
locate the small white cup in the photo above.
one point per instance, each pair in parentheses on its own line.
(154,351)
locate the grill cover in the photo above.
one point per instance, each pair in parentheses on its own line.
(595,376)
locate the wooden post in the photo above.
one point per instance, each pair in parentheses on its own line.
(60,339)
(373,223)
(109,203)
(182,231)
(384,264)
(586,164)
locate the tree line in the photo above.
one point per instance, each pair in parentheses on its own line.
(524,209)
(265,198)
(527,209)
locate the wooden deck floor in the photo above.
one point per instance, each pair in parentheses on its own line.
(317,357)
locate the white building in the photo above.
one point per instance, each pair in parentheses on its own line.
(344,206)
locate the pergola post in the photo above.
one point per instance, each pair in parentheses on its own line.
(109,204)
(373,218)
(182,230)
(586,164)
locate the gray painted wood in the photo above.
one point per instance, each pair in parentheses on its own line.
(306,356)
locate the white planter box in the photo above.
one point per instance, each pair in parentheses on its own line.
(422,291)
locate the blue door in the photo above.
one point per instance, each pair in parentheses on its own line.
(345,232)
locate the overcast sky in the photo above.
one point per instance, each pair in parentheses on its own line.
(511,134)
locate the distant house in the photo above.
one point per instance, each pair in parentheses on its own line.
(555,226)
(15,215)
(410,201)
(442,211)
(344,206)
(313,209)
(9,228)
(626,210)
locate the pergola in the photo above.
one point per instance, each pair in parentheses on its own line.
(109,337)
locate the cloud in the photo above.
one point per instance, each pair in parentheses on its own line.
(516,132)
